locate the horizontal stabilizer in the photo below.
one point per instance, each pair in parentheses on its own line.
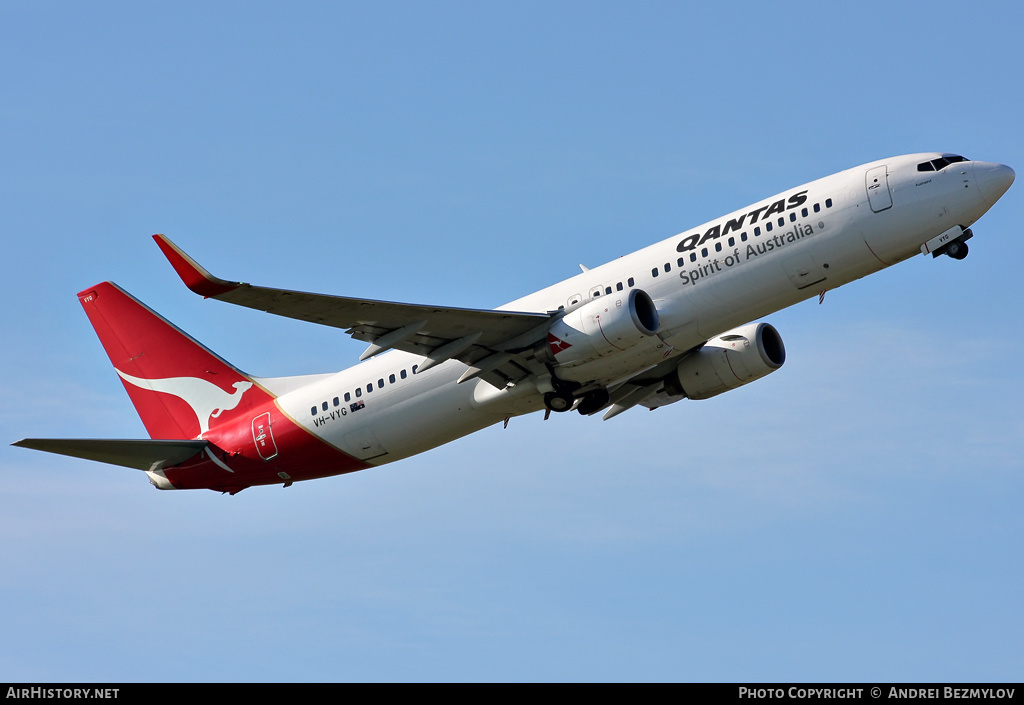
(138,454)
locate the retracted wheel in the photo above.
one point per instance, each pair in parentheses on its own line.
(592,402)
(558,401)
(957,250)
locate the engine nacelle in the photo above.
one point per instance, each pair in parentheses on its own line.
(607,325)
(728,361)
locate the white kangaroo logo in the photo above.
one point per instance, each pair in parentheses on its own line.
(206,399)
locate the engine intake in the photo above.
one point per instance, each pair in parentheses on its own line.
(607,325)
(728,361)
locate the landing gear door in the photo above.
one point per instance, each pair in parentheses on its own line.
(877,183)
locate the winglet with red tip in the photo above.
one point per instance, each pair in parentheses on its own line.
(195,277)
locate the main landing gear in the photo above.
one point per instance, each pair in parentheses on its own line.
(592,402)
(562,396)
(589,403)
(558,401)
(558,394)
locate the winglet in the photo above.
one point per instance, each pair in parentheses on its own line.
(195,277)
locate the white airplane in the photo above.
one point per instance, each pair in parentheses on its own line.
(668,322)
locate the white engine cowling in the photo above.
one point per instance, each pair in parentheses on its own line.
(729,361)
(607,325)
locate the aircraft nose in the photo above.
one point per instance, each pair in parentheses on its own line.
(992,179)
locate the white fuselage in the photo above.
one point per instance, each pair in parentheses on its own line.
(704,281)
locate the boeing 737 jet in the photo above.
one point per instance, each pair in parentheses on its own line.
(669,322)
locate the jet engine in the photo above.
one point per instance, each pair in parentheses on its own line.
(728,361)
(607,325)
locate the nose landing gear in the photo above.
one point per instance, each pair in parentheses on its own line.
(957,250)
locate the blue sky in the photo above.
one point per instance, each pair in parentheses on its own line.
(854,516)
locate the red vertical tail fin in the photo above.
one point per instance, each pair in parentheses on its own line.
(179,388)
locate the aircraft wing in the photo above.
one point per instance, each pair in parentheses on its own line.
(486,340)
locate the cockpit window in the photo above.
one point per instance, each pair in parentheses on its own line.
(940,163)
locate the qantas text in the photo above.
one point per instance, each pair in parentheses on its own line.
(736,224)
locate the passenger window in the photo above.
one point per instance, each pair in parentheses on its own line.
(359,391)
(391,379)
(369,387)
(324,406)
(607,290)
(828,202)
(757,231)
(654,272)
(732,242)
(402,374)
(718,247)
(348,396)
(743,237)
(768,227)
(414,368)
(312,411)
(817,208)
(704,252)
(380,383)
(618,287)
(792,217)
(668,267)
(629,282)
(803,213)
(693,256)
(337,401)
